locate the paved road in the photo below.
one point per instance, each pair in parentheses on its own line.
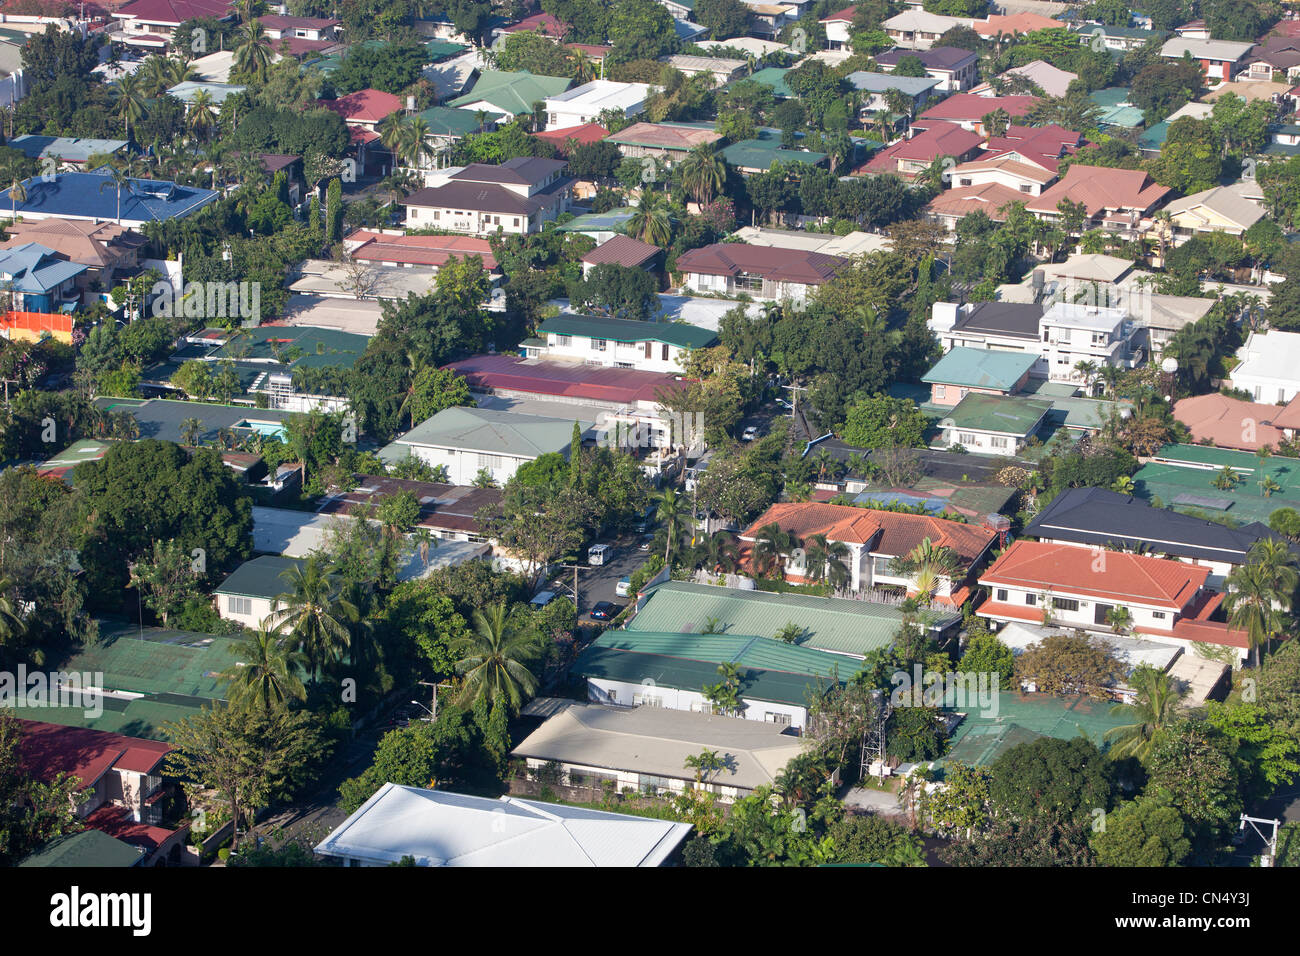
(597,583)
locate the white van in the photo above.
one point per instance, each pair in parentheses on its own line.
(596,553)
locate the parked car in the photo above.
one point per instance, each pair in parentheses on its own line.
(750,433)
(604,610)
(623,587)
(596,553)
(645,543)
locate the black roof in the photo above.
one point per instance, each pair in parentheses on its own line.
(1002,318)
(1096,516)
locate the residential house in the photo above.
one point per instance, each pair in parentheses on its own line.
(850,244)
(876,87)
(509,94)
(1026,179)
(852,627)
(1117,200)
(839,28)
(248,594)
(911,158)
(163,419)
(34,278)
(1226,422)
(64,152)
(622,251)
(1274,58)
(93,197)
(1220,60)
(448,512)
(621,343)
(584,104)
(751,156)
(441,828)
(123,778)
(89,849)
(1050,79)
(385,249)
(105,248)
(1073,587)
(952,205)
(773,77)
(1096,519)
(968,110)
(1219,209)
(1163,316)
(995,25)
(954,68)
(363,111)
(918,30)
(646,749)
(1114,38)
(988,424)
(963,371)
(1041,146)
(470,441)
(301,35)
(543,24)
(649,670)
(150,24)
(874,539)
(720,69)
(762,272)
(570,138)
(667,142)
(1267,364)
(517,197)
(448,126)
(216,93)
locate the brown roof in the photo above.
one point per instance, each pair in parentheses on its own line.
(884,532)
(89,243)
(665,136)
(1101,188)
(1227,422)
(989,198)
(419,250)
(442,507)
(621,251)
(783,265)
(1007,164)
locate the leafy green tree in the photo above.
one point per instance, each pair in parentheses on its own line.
(961,802)
(1195,769)
(985,654)
(1142,832)
(880,421)
(426,754)
(167,579)
(723,18)
(1067,779)
(32,811)
(1069,664)
(915,733)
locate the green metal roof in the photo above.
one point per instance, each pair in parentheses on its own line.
(630,330)
(982,737)
(298,346)
(164,661)
(513,93)
(1182,477)
(761,154)
(997,413)
(446,121)
(89,848)
(143,717)
(612,220)
(773,76)
(980,368)
(259,577)
(495,432)
(830,624)
(771,670)
(443,50)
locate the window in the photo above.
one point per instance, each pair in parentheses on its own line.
(1026,188)
(239,605)
(598,345)
(998,442)
(564,341)
(649,347)
(516,221)
(1157,615)
(1065,604)
(965,438)
(781,719)
(490,462)
(1001,594)
(1031,599)
(879,565)
(664,356)
(940,391)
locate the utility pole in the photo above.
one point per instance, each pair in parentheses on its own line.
(1269,858)
(794,396)
(576,568)
(433,711)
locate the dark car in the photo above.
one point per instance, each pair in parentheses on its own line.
(604,610)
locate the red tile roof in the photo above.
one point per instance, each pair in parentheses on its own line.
(583,135)
(885,532)
(175,11)
(1101,188)
(842,16)
(364,106)
(419,250)
(117,823)
(1067,569)
(770,262)
(1226,422)
(50,749)
(1015,23)
(990,199)
(971,108)
(937,139)
(1041,145)
(543,23)
(510,373)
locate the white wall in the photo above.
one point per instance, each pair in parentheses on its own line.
(581,347)
(261,608)
(463,465)
(624,694)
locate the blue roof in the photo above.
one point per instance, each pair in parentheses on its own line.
(80,196)
(70,149)
(36,269)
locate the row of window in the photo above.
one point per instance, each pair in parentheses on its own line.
(1059,604)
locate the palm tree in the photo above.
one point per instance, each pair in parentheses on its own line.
(671,510)
(12,626)
(154,75)
(191,428)
(703,173)
(131,102)
(705,764)
(266,672)
(424,543)
(253,51)
(416,140)
(116,178)
(927,567)
(828,560)
(390,133)
(202,115)
(1088,370)
(494,659)
(584,68)
(1120,619)
(1157,702)
(719,552)
(652,222)
(771,544)
(178,71)
(17,194)
(1260,592)
(315,616)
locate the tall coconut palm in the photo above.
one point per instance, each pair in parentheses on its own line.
(191,429)
(671,510)
(1156,704)
(495,659)
(390,134)
(117,179)
(652,222)
(312,614)
(202,115)
(154,75)
(131,103)
(703,173)
(927,566)
(1260,592)
(828,560)
(771,545)
(719,552)
(17,194)
(178,71)
(266,675)
(253,51)
(416,141)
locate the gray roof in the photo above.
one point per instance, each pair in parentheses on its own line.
(880,82)
(495,432)
(259,578)
(162,418)
(657,741)
(1002,318)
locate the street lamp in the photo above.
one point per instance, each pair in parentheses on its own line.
(432,715)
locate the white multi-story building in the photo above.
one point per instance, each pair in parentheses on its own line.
(517,197)
(584,104)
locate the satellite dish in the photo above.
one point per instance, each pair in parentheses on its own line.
(1169,365)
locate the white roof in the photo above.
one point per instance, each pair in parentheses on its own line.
(712,64)
(1088,267)
(347,315)
(751,45)
(1272,354)
(439,828)
(1129,651)
(851,244)
(1223,201)
(601,95)
(1205,49)
(1080,315)
(915,19)
(1197,675)
(1194,110)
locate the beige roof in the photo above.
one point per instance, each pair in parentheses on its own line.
(1172,312)
(657,741)
(711,64)
(664,136)
(1091,267)
(89,243)
(1007,164)
(1050,79)
(1248,90)
(850,244)
(1223,202)
(1198,676)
